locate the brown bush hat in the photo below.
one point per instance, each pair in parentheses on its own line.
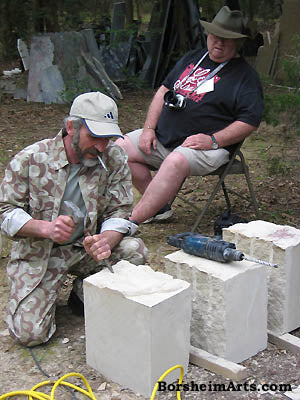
(227,24)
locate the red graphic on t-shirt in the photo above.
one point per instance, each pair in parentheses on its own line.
(187,85)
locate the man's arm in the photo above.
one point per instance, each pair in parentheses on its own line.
(58,230)
(148,138)
(233,133)
(14,194)
(15,218)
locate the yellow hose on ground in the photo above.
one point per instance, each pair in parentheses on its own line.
(89,393)
(163,376)
(61,381)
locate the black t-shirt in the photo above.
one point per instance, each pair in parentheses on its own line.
(237,96)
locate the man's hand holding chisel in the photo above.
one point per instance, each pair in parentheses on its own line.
(99,246)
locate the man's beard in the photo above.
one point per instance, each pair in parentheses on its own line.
(86,162)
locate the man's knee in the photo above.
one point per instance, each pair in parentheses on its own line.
(176,161)
(120,142)
(125,144)
(131,249)
(130,144)
(29,331)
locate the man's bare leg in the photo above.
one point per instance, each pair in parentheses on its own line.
(141,174)
(163,187)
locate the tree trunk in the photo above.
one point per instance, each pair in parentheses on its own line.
(138,12)
(129,13)
(12,26)
(232,4)
(52,24)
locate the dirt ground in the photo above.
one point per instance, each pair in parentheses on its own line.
(273,156)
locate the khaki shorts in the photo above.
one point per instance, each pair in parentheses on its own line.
(202,162)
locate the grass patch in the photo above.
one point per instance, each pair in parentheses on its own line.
(276,104)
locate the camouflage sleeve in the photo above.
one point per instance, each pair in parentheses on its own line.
(119,188)
(14,195)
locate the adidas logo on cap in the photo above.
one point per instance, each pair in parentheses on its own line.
(109,115)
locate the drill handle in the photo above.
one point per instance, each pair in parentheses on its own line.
(178,240)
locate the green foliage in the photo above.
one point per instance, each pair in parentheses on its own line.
(277,103)
(277,165)
(21,19)
(209,8)
(286,98)
(135,82)
(277,161)
(14,21)
(268,9)
(291,65)
(74,88)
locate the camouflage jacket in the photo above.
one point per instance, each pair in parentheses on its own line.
(34,184)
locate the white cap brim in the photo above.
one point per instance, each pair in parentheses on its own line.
(103,129)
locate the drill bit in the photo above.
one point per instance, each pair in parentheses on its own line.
(260,262)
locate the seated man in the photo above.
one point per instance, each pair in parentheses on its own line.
(65,202)
(211,100)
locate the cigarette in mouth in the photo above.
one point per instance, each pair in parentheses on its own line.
(102,163)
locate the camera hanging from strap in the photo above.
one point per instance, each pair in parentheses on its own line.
(177,101)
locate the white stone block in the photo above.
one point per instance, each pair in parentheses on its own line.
(23,51)
(278,244)
(229,306)
(137,325)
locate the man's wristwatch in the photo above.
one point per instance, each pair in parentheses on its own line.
(215,144)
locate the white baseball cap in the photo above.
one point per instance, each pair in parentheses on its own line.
(99,112)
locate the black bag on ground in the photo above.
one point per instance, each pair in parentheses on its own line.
(225,220)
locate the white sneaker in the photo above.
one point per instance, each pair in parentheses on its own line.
(162,215)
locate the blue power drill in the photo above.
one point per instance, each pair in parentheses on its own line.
(210,248)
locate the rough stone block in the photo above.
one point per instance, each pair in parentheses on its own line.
(52,85)
(58,66)
(229,307)
(137,325)
(278,244)
(247,245)
(23,51)
(41,57)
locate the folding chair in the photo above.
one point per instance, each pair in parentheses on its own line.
(233,167)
